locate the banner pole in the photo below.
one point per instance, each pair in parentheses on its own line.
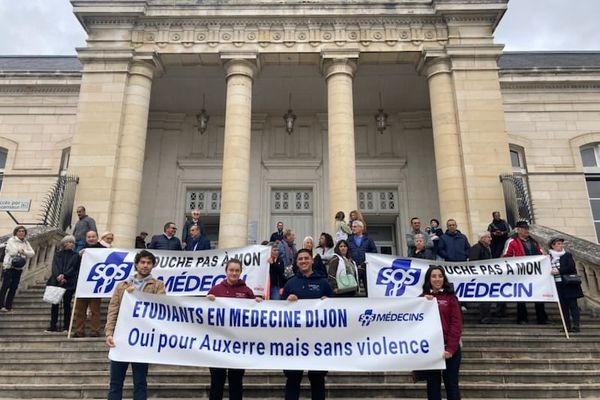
(562,317)
(72,315)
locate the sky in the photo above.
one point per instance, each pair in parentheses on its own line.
(48,27)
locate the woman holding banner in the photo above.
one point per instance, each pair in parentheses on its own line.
(342,270)
(231,286)
(437,286)
(568,284)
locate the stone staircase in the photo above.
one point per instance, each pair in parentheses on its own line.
(499,361)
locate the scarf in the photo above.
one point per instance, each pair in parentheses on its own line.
(140,284)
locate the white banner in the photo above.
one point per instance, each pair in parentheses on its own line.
(498,280)
(185,273)
(331,334)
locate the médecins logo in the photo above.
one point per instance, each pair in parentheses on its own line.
(398,277)
(106,274)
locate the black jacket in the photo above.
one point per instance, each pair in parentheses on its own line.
(162,242)
(426,254)
(479,252)
(63,264)
(567,267)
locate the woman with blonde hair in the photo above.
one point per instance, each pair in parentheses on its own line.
(107,239)
(355,215)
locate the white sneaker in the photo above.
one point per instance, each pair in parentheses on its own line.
(463,308)
(3,309)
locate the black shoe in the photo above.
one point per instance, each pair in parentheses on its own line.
(575,329)
(78,335)
(522,322)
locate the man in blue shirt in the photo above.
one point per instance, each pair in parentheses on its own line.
(358,245)
(306,285)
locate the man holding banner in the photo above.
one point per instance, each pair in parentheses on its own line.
(524,245)
(306,285)
(143,281)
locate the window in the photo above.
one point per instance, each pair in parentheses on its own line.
(591,167)
(64,161)
(208,201)
(3,157)
(517,160)
(593,187)
(378,201)
(291,201)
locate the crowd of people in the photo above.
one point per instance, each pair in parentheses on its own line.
(336,266)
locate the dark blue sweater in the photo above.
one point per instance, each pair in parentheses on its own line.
(162,242)
(313,286)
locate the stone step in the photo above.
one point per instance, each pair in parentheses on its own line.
(334,390)
(159,374)
(100,363)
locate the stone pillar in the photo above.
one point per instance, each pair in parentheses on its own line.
(107,152)
(233,224)
(128,183)
(446,141)
(339,73)
(470,140)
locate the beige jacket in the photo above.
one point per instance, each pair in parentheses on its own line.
(153,286)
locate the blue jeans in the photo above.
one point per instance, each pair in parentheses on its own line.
(118,370)
(450,375)
(80,244)
(275,293)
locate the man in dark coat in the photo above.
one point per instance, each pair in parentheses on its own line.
(277,236)
(166,241)
(196,241)
(358,245)
(482,251)
(454,246)
(140,241)
(499,229)
(193,221)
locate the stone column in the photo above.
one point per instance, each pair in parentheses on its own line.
(233,224)
(446,140)
(339,74)
(108,146)
(123,220)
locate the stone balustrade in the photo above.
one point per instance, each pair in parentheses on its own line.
(587,260)
(44,241)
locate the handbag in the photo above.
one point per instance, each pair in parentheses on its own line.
(18,262)
(571,279)
(54,294)
(346,283)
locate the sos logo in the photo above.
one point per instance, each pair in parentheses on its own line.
(108,273)
(398,277)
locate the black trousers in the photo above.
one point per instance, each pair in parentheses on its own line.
(294,379)
(10,282)
(570,310)
(118,370)
(66,301)
(540,313)
(450,376)
(217,383)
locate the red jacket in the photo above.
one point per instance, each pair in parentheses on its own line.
(239,290)
(514,248)
(452,320)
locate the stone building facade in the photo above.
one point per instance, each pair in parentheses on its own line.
(123,117)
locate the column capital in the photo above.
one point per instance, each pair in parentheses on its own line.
(335,66)
(147,64)
(240,64)
(433,63)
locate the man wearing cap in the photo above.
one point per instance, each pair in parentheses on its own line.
(522,245)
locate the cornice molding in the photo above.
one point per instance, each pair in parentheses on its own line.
(289,31)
